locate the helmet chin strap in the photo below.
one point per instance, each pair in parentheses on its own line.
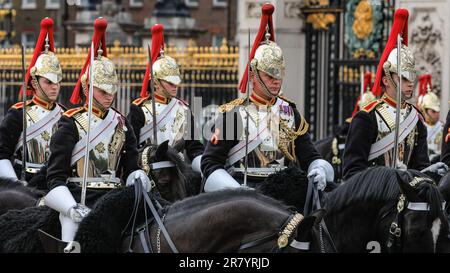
(163,90)
(42,95)
(258,78)
(95,102)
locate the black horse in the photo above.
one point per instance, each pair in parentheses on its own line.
(361,212)
(14,195)
(175,182)
(224,221)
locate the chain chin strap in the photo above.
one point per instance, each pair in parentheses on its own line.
(386,67)
(258,78)
(94,101)
(44,95)
(163,90)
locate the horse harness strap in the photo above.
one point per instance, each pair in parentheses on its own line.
(312,195)
(158,219)
(395,229)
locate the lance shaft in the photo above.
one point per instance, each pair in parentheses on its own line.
(152,93)
(24,119)
(88,133)
(398,99)
(247,104)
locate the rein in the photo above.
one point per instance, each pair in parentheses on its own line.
(312,203)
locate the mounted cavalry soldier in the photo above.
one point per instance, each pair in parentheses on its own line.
(277,134)
(42,112)
(373,134)
(430,105)
(112,154)
(172,116)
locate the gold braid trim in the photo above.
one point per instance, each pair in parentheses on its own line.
(231,105)
(288,137)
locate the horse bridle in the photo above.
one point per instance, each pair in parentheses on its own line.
(395,229)
(284,236)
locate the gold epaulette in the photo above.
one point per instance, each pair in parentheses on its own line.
(371,106)
(19,105)
(139,101)
(231,105)
(69,113)
(303,127)
(287,100)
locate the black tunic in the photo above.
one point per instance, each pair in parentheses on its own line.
(363,133)
(136,118)
(445,155)
(215,156)
(10,129)
(61,146)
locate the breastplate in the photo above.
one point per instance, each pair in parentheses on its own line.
(273,149)
(385,115)
(105,156)
(38,148)
(174,124)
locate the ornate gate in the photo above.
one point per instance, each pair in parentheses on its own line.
(343,40)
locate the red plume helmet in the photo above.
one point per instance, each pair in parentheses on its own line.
(400,26)
(98,39)
(266,21)
(46,29)
(157,45)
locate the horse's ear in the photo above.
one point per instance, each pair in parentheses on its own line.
(403,179)
(161,151)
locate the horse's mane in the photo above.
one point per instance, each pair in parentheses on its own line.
(212,198)
(379,186)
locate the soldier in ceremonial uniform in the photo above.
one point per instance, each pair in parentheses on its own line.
(113,154)
(445,155)
(371,135)
(430,105)
(278,135)
(42,112)
(174,119)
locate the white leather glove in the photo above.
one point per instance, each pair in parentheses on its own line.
(78,212)
(319,178)
(146,184)
(219,180)
(70,213)
(321,171)
(68,228)
(196,163)
(439,167)
(7,170)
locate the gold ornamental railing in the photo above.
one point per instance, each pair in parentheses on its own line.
(209,72)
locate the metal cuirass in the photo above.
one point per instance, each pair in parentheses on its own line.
(105,156)
(172,126)
(38,148)
(385,115)
(278,144)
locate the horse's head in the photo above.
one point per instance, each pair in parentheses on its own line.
(419,221)
(165,166)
